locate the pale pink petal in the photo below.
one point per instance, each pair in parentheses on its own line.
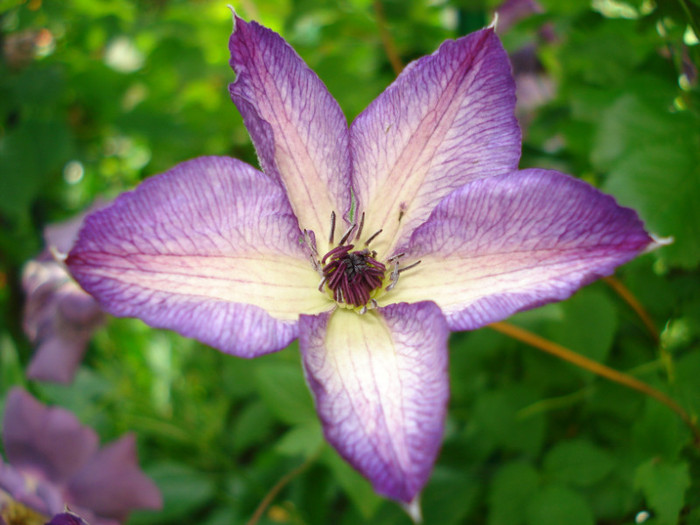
(47,442)
(299,130)
(446,120)
(111,484)
(381,389)
(209,249)
(59,318)
(501,245)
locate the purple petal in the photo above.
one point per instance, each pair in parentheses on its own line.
(59,318)
(210,249)
(67,518)
(511,12)
(29,490)
(381,389)
(501,245)
(446,120)
(111,484)
(49,442)
(299,130)
(62,236)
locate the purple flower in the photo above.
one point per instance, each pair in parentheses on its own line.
(67,518)
(59,317)
(54,461)
(369,244)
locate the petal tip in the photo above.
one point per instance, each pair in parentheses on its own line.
(413,509)
(658,242)
(494,23)
(234,15)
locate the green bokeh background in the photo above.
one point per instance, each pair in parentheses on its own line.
(119,90)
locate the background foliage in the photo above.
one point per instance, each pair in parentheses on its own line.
(117,90)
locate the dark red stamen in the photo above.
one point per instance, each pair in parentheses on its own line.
(352,275)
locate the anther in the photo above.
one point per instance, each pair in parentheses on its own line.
(362,224)
(413,265)
(330,238)
(347,234)
(310,241)
(372,237)
(396,257)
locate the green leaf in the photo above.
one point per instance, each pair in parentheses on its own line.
(282,388)
(355,486)
(512,488)
(654,167)
(556,505)
(183,490)
(28,156)
(658,432)
(449,496)
(588,327)
(250,426)
(496,415)
(302,440)
(687,374)
(663,485)
(578,463)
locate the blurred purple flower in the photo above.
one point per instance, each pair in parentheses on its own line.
(428,174)
(67,518)
(533,86)
(59,317)
(54,462)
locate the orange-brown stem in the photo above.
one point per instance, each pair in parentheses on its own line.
(387,41)
(627,296)
(597,368)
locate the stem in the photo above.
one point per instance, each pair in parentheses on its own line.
(627,296)
(387,42)
(283,482)
(597,368)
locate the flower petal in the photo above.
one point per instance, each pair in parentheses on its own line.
(505,244)
(381,389)
(446,120)
(111,484)
(298,128)
(210,249)
(48,441)
(59,318)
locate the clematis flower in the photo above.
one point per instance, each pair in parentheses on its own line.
(368,243)
(54,461)
(59,317)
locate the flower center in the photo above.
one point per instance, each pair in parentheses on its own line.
(352,276)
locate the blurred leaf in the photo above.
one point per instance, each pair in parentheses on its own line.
(355,486)
(578,463)
(449,496)
(496,415)
(654,164)
(588,326)
(302,440)
(555,505)
(251,425)
(658,432)
(687,374)
(663,485)
(183,490)
(512,489)
(29,155)
(282,388)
